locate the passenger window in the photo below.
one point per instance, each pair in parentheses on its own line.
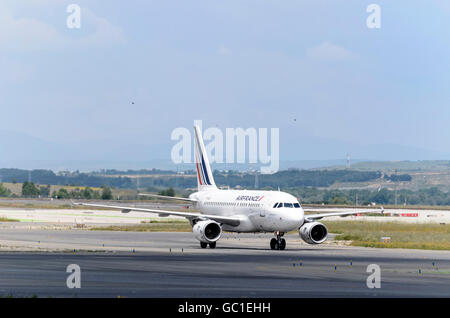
(288,205)
(296,205)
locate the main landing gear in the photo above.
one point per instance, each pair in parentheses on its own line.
(211,245)
(278,243)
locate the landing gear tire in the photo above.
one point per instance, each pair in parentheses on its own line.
(212,245)
(273,243)
(203,245)
(282,244)
(278,243)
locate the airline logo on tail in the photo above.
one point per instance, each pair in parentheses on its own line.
(203,170)
(202,174)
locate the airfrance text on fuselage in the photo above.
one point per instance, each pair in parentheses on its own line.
(249,198)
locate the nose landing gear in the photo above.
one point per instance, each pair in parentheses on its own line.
(278,243)
(205,245)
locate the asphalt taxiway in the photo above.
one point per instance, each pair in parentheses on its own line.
(132,264)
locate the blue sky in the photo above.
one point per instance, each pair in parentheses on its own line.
(231,64)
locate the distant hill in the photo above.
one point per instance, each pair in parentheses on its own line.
(421,165)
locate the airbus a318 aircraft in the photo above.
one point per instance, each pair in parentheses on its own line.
(242,211)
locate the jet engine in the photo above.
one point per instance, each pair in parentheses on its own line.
(207,231)
(313,233)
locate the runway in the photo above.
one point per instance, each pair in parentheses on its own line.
(173,265)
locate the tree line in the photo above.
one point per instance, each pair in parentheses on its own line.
(31,190)
(282,179)
(428,196)
(384,196)
(69,178)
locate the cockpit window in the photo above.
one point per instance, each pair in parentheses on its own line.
(280,205)
(275,205)
(296,205)
(288,205)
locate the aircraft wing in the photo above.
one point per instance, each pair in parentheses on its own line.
(233,221)
(167,197)
(313,217)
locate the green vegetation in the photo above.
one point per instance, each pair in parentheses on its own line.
(65,178)
(169,192)
(84,193)
(29,190)
(152,226)
(3,219)
(338,200)
(141,172)
(398,177)
(403,235)
(87,193)
(44,191)
(62,194)
(420,165)
(12,296)
(77,193)
(106,193)
(287,178)
(310,186)
(430,197)
(4,192)
(295,178)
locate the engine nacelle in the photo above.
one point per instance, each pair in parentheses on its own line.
(207,231)
(313,233)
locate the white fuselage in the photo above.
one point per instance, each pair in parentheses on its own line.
(255,209)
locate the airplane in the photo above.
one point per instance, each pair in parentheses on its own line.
(241,211)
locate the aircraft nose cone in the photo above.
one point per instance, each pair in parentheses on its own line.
(295,217)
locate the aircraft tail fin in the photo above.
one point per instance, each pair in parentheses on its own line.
(205,179)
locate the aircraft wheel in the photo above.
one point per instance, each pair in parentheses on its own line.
(203,245)
(273,242)
(212,245)
(282,244)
